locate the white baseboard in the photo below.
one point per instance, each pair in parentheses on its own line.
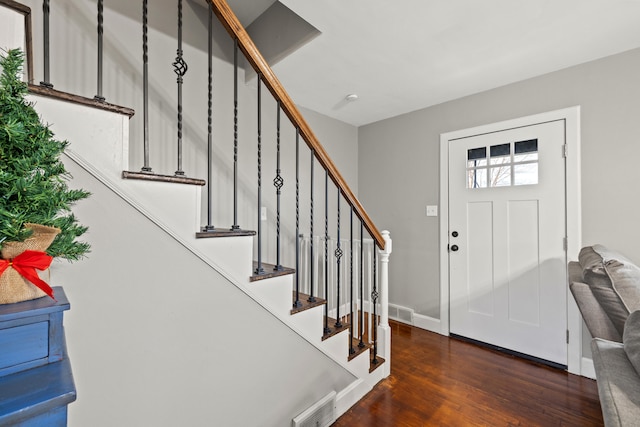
(425,322)
(352,394)
(587,369)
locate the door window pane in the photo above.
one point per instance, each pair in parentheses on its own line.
(500,176)
(477,178)
(477,153)
(525,151)
(525,174)
(529,146)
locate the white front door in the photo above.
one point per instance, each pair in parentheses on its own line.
(507,253)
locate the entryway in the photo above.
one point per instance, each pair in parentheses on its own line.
(505,235)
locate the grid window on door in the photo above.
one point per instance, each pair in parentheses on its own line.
(503,165)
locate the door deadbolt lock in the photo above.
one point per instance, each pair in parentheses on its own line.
(454,248)
(454,234)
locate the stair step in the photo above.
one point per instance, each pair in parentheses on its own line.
(223,232)
(81,100)
(305,304)
(373,366)
(334,330)
(149,176)
(270,271)
(358,350)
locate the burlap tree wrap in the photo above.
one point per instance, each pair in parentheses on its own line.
(13,287)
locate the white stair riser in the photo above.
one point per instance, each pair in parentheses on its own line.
(100,137)
(275,293)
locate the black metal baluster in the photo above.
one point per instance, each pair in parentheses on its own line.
(326,251)
(180,68)
(99,96)
(338,254)
(278,182)
(145,86)
(259,269)
(209,226)
(361,343)
(235,225)
(351,300)
(374,299)
(45,25)
(297,302)
(312,298)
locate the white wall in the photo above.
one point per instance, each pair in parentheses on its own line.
(157,337)
(406,150)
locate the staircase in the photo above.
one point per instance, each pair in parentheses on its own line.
(165,304)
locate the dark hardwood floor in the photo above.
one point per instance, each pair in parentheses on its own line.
(439,381)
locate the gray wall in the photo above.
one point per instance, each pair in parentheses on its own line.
(399,165)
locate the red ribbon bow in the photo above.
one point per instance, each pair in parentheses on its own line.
(26,263)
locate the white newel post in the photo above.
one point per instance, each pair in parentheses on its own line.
(384,331)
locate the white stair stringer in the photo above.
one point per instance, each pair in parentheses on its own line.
(276,293)
(99,144)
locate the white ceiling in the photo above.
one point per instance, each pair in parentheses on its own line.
(410,54)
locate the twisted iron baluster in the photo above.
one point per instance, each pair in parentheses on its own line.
(338,254)
(235,225)
(297,302)
(278,182)
(99,96)
(45,24)
(351,318)
(312,298)
(180,68)
(259,269)
(145,86)
(361,343)
(374,298)
(326,251)
(209,226)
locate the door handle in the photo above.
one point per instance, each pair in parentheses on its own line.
(454,234)
(454,248)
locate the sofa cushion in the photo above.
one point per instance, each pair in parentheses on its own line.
(614,281)
(592,256)
(598,322)
(631,339)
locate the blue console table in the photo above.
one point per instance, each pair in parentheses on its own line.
(36,382)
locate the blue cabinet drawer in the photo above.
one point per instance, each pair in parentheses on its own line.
(31,333)
(24,344)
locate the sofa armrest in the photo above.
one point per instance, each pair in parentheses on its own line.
(575,272)
(618,384)
(596,319)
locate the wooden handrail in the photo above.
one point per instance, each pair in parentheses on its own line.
(260,65)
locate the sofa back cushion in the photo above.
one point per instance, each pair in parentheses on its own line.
(614,281)
(631,339)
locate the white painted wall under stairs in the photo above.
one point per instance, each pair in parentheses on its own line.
(99,144)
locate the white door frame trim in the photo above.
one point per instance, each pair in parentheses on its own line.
(571,116)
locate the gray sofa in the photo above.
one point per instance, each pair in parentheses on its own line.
(606,287)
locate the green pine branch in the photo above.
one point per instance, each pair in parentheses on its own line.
(33,180)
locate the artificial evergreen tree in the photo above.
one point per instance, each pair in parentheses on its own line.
(33,180)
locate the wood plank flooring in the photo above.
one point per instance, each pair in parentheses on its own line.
(439,381)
